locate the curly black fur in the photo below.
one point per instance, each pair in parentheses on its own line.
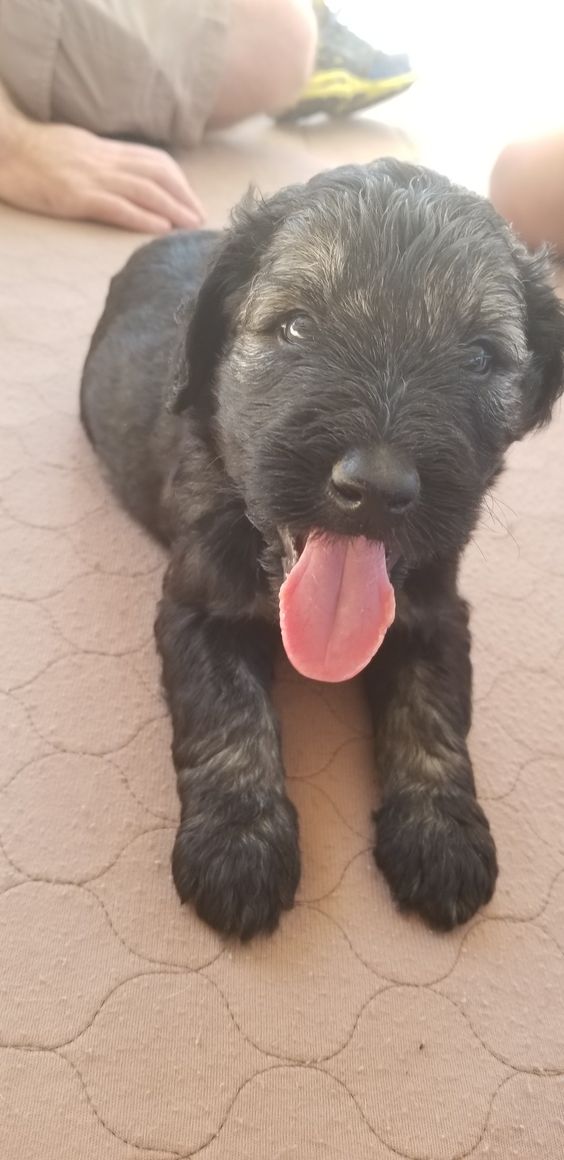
(217,434)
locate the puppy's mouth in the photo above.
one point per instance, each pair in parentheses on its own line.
(336,602)
(293,547)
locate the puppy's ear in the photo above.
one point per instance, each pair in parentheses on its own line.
(545,339)
(236,260)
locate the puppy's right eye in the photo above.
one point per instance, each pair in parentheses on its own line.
(479,359)
(296,329)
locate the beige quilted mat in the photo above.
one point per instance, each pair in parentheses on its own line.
(127,1029)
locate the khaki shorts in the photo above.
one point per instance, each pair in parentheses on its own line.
(149,68)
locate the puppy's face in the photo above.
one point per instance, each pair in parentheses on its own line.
(379,339)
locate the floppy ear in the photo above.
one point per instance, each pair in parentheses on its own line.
(233,266)
(545,338)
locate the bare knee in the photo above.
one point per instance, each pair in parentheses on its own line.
(527,188)
(292,51)
(270,56)
(510,181)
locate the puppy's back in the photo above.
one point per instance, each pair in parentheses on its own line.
(127,371)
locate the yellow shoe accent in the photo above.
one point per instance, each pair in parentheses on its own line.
(340,83)
(337,92)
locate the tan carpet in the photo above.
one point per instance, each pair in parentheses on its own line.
(127,1029)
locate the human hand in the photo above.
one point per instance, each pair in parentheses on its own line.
(66,172)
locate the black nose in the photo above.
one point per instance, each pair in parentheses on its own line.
(377,477)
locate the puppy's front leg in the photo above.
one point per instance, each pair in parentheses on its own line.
(433,839)
(236,854)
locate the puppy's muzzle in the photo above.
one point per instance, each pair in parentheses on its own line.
(378,482)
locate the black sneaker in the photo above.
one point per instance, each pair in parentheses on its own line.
(349,74)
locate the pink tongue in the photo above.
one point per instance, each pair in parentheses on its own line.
(336,607)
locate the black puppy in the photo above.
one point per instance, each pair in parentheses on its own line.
(316,428)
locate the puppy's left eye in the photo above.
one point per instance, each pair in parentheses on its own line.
(296,328)
(479,360)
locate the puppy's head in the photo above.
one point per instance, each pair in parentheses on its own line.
(365,348)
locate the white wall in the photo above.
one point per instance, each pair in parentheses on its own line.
(488,72)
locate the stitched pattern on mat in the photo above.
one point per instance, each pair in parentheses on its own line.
(353,1031)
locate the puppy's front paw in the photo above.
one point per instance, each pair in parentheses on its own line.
(239,865)
(437,854)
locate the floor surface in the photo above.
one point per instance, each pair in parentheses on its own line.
(127,1029)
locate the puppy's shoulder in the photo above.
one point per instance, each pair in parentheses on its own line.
(172,263)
